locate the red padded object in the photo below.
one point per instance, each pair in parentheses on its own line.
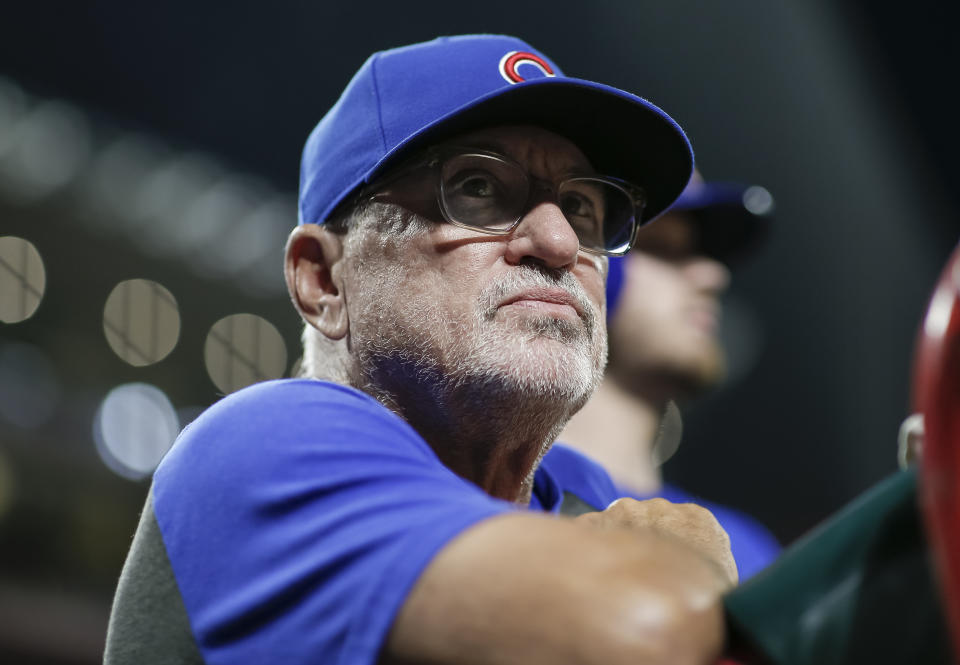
(936,394)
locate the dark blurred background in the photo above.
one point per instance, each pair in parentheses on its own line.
(148,168)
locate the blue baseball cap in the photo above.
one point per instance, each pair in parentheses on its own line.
(408,98)
(731,220)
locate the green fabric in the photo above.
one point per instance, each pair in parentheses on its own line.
(858,590)
(148,622)
(574,506)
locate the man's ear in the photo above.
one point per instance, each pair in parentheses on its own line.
(313,268)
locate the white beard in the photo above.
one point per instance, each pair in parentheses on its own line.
(405,345)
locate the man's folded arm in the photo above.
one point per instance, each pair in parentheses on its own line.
(524,588)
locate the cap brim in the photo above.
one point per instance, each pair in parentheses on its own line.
(728,228)
(623,135)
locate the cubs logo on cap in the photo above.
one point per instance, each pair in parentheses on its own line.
(511,62)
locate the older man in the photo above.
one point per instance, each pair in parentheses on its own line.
(663,302)
(457,206)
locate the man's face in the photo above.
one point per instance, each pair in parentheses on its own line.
(664,331)
(440,308)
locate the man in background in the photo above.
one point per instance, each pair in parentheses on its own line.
(663,302)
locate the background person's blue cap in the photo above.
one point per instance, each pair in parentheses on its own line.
(407,98)
(731,220)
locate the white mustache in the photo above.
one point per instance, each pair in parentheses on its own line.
(528,277)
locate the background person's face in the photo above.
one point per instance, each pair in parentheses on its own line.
(666,323)
(521,313)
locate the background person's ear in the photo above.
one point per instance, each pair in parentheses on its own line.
(312,270)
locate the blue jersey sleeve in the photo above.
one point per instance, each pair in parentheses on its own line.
(564,471)
(297,515)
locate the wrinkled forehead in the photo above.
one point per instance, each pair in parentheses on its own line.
(542,152)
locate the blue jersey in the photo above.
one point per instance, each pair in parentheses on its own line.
(288,524)
(753,546)
(571,483)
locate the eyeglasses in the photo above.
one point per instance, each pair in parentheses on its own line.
(490,193)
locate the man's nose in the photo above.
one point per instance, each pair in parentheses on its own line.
(545,235)
(708,274)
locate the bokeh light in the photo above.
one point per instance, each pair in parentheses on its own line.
(758,200)
(669,435)
(29,387)
(242,349)
(46,149)
(114,177)
(164,201)
(253,233)
(13,105)
(211,217)
(141,321)
(134,428)
(22,279)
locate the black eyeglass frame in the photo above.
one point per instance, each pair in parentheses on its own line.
(435,157)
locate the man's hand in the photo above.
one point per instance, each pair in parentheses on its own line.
(689,523)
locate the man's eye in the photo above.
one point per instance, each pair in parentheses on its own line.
(576,205)
(477,185)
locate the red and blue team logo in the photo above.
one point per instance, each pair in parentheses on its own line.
(511,62)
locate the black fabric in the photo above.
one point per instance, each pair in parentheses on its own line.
(148,622)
